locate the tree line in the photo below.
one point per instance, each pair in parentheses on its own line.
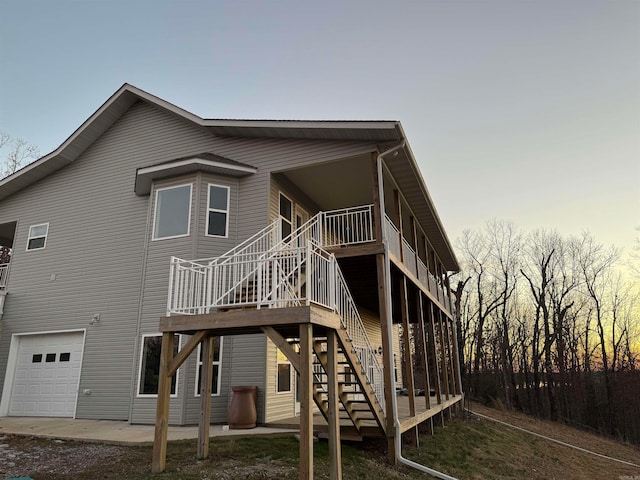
(550,325)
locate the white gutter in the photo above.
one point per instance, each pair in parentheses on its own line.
(390,365)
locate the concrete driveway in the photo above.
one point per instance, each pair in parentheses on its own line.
(115,432)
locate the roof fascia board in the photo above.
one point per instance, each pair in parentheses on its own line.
(195,161)
(302,124)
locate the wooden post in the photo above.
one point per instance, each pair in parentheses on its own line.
(387,357)
(433,352)
(335,450)
(425,361)
(205,397)
(412,434)
(398,201)
(443,356)
(425,364)
(378,203)
(306,402)
(162,408)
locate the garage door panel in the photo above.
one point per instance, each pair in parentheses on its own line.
(47,374)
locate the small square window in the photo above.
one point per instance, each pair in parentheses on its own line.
(64,357)
(37,236)
(51,357)
(37,358)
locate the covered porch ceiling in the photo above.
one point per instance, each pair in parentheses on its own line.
(337,184)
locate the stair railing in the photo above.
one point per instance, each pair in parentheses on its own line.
(265,270)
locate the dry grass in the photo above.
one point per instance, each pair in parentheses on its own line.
(465,448)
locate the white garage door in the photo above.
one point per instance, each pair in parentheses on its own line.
(46,378)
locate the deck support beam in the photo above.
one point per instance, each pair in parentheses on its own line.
(306,402)
(335,448)
(412,434)
(205,397)
(424,357)
(162,409)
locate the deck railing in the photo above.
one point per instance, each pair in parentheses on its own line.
(413,263)
(292,271)
(4,275)
(348,226)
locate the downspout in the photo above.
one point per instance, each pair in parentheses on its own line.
(390,365)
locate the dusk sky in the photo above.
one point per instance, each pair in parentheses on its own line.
(520,110)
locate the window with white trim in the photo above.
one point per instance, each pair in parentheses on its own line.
(37,236)
(173,212)
(286,216)
(149,372)
(283,383)
(217,211)
(215,371)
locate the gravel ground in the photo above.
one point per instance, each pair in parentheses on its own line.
(27,456)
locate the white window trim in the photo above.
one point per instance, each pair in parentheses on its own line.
(29,237)
(199,363)
(155,212)
(209,209)
(284,362)
(155,395)
(291,221)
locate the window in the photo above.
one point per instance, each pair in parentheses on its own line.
(37,358)
(284,373)
(286,216)
(173,212)
(215,371)
(64,357)
(51,357)
(150,365)
(37,236)
(217,211)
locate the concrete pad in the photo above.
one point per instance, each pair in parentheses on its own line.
(116,432)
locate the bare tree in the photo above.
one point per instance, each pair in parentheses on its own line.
(595,265)
(19,151)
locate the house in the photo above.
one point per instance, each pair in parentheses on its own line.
(151,226)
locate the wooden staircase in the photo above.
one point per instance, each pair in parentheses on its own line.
(360,412)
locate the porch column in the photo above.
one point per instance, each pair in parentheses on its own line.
(386,322)
(433,355)
(306,402)
(162,408)
(378,201)
(382,266)
(412,434)
(398,201)
(205,397)
(443,355)
(425,361)
(335,450)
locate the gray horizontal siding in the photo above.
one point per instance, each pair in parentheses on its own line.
(242,364)
(100,252)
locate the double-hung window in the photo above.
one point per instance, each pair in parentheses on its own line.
(173,212)
(148,379)
(215,371)
(37,236)
(217,211)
